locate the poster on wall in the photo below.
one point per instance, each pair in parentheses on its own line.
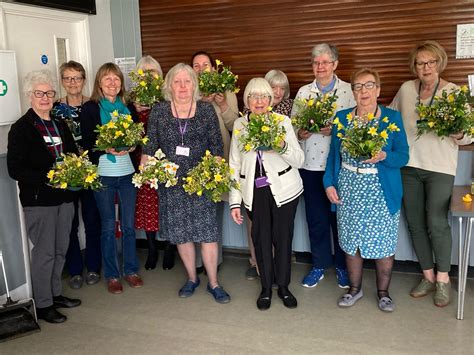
(465,41)
(126,65)
(9,89)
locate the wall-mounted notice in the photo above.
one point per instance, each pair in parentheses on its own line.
(465,41)
(126,65)
(9,89)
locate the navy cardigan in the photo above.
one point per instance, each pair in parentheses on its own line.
(388,169)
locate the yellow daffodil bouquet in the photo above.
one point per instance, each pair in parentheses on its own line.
(146,87)
(120,133)
(449,114)
(212,176)
(362,138)
(219,80)
(263,132)
(74,172)
(156,170)
(314,114)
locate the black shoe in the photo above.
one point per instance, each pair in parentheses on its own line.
(169,256)
(264,301)
(64,302)
(50,315)
(152,257)
(288,299)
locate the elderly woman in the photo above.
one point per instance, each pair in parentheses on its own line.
(115,171)
(146,214)
(184,128)
(68,108)
(35,144)
(320,219)
(368,194)
(271,206)
(428,177)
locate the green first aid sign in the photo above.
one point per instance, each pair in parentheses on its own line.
(3,87)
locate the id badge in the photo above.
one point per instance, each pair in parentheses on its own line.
(180,150)
(261,181)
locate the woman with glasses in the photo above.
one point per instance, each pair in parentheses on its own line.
(269,188)
(428,177)
(35,144)
(367,192)
(321,221)
(68,108)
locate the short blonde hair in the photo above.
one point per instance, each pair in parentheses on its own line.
(257,86)
(105,69)
(149,61)
(435,49)
(167,92)
(278,78)
(366,71)
(38,77)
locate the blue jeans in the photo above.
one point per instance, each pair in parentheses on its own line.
(320,221)
(105,198)
(91,219)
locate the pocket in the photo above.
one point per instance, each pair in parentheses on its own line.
(280,173)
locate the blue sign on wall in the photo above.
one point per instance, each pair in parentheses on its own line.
(44,59)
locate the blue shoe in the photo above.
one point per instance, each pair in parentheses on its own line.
(188,289)
(342,279)
(219,294)
(313,277)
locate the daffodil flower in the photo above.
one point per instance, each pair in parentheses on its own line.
(372,131)
(385,119)
(143,83)
(217,177)
(384,134)
(265,128)
(63,185)
(50,174)
(140,72)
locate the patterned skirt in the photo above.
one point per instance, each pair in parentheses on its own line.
(146,212)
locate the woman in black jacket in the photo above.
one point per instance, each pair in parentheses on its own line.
(35,143)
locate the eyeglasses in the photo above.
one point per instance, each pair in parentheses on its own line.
(76,79)
(256,97)
(368,85)
(322,64)
(39,94)
(429,64)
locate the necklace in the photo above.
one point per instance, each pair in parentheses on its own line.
(375,113)
(432,96)
(189,112)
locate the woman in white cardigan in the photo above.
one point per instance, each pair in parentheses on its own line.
(270,185)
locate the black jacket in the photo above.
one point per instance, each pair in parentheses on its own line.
(29,160)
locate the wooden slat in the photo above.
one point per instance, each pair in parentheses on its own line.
(256,36)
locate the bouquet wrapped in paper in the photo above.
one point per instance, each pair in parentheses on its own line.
(448,114)
(211,177)
(74,172)
(362,138)
(263,132)
(146,87)
(217,81)
(120,133)
(314,114)
(156,170)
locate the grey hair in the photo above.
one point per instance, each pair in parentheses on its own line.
(278,78)
(257,86)
(169,78)
(149,61)
(37,77)
(325,48)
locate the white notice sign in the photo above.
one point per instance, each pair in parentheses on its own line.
(126,64)
(465,41)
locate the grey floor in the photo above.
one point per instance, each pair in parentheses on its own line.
(154,320)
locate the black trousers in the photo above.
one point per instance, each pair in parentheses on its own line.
(272,235)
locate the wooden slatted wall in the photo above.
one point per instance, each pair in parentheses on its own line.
(256,36)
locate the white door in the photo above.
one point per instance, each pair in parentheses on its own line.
(44,39)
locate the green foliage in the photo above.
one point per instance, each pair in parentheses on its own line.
(146,87)
(314,114)
(219,80)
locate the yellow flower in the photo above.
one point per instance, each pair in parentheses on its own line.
(247,147)
(310,103)
(125,125)
(340,126)
(340,135)
(349,117)
(384,134)
(90,178)
(218,177)
(236,132)
(63,185)
(189,179)
(372,131)
(140,72)
(78,164)
(111,124)
(431,124)
(237,89)
(385,119)
(370,116)
(269,108)
(464,88)
(265,128)
(199,193)
(208,153)
(128,117)
(218,62)
(118,134)
(334,106)
(142,83)
(115,113)
(451,98)
(336,120)
(145,140)
(50,174)
(393,127)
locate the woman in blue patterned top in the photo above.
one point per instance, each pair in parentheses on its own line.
(367,193)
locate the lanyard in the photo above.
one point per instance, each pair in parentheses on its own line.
(432,96)
(58,154)
(182,130)
(375,113)
(260,161)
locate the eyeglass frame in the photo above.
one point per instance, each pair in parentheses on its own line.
(256,97)
(76,79)
(322,64)
(358,86)
(44,93)
(430,64)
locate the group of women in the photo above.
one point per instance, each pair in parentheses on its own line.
(356,202)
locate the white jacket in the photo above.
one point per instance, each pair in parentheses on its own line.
(281,169)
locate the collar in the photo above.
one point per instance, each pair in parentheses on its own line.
(315,88)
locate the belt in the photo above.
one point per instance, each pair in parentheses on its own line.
(360,170)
